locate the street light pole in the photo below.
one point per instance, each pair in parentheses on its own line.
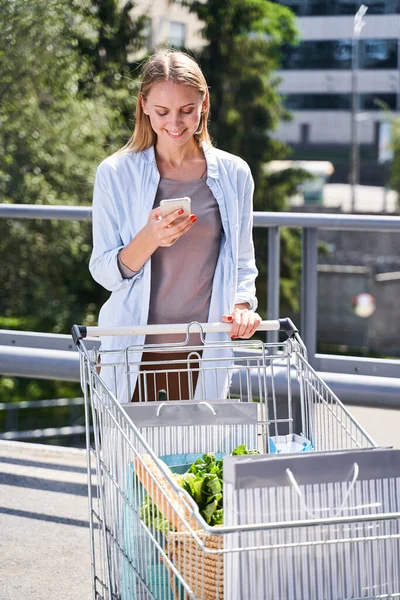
(355,158)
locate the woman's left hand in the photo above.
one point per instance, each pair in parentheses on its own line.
(244,321)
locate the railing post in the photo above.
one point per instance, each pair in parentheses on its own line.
(308,319)
(12,419)
(273,279)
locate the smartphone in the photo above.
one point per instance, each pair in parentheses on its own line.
(169,205)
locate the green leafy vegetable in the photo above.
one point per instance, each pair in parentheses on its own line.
(240,450)
(204,483)
(150,514)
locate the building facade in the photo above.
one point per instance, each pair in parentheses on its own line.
(317,73)
(170,23)
(317,80)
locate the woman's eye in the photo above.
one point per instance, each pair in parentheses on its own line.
(184,112)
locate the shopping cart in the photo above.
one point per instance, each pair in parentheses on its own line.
(149,538)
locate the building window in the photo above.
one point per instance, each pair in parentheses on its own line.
(378,54)
(318,55)
(318,101)
(306,8)
(367,102)
(176,34)
(336,54)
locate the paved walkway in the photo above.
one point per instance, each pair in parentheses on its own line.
(383,425)
(44,540)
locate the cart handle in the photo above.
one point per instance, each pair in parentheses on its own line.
(80,331)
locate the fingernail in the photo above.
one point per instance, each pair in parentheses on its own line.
(234,337)
(180,211)
(193,218)
(230,319)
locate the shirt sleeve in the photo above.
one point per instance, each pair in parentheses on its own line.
(247,270)
(107,242)
(125,271)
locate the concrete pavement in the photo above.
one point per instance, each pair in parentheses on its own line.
(44,540)
(382,424)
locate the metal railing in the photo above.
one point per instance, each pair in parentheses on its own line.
(13,410)
(310,224)
(50,356)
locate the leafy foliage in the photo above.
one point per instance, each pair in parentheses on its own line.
(395,165)
(64,94)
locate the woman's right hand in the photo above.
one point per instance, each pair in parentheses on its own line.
(166,231)
(157,232)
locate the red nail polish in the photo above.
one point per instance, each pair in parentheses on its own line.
(230,319)
(180,211)
(193,218)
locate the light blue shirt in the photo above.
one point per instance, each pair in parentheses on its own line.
(124,192)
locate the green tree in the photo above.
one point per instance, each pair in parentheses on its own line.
(50,141)
(111,55)
(61,113)
(395,164)
(118,38)
(242,53)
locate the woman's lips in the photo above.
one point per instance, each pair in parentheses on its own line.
(175,135)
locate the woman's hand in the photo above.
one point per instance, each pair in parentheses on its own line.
(166,231)
(157,232)
(244,321)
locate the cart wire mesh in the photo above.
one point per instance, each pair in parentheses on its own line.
(148,538)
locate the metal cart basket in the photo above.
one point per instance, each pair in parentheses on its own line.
(148,536)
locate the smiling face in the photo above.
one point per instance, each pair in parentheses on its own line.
(174,110)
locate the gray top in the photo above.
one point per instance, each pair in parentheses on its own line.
(182,274)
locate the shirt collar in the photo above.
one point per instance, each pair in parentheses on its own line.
(149,155)
(211,159)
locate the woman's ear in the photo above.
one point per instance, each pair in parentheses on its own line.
(206,102)
(143,103)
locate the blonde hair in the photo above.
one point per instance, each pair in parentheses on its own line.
(167,64)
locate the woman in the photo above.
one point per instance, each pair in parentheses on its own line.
(175,269)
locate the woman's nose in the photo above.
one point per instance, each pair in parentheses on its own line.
(176,120)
